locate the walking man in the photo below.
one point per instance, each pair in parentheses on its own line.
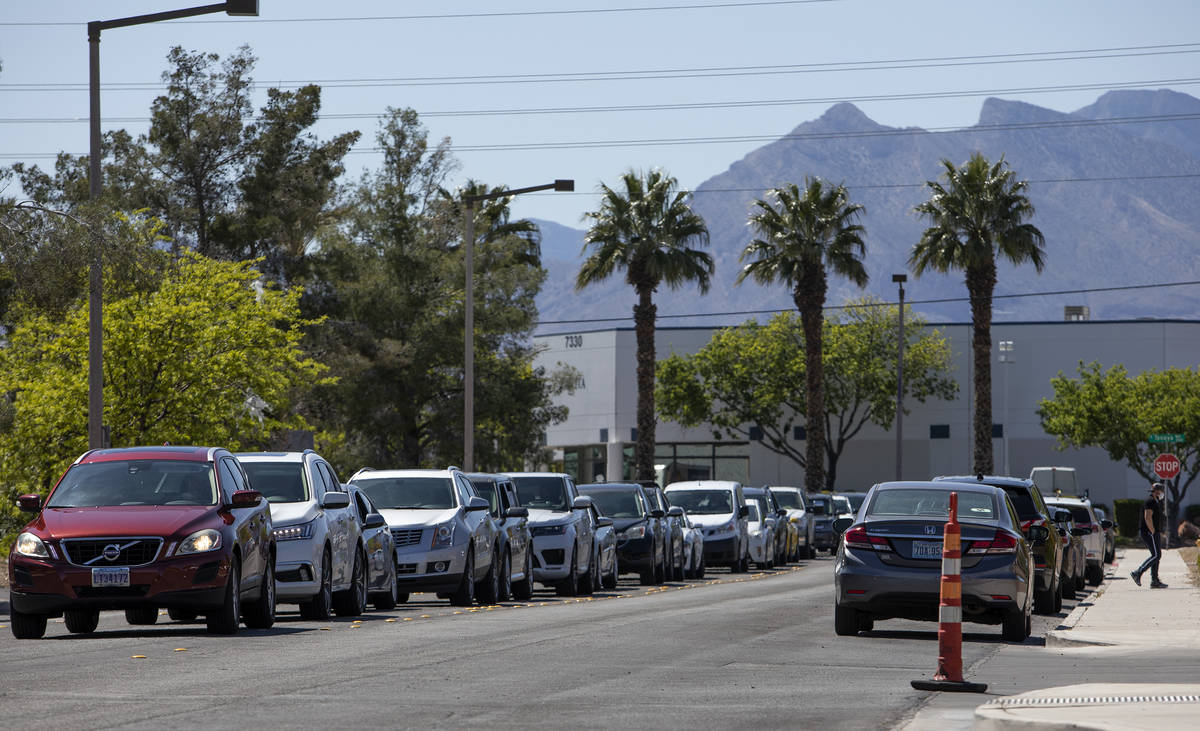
(1151,527)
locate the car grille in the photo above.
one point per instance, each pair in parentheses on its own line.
(111,592)
(406,568)
(406,537)
(130,551)
(554,556)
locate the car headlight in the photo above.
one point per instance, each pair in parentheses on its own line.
(637,531)
(30,545)
(201,541)
(294,532)
(548,530)
(756,533)
(443,535)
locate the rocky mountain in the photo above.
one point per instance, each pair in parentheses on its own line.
(1113,199)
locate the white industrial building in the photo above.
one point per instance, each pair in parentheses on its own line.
(597,438)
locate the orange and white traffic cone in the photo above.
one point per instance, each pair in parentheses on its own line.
(949,669)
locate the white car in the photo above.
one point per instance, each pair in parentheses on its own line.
(719,507)
(445,540)
(562,523)
(791,499)
(383,588)
(762,537)
(320,561)
(1088,528)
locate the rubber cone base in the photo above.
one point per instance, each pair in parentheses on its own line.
(950,686)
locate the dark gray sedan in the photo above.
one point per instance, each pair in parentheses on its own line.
(889,562)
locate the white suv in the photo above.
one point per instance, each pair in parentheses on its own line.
(563,525)
(445,540)
(1089,528)
(320,562)
(791,499)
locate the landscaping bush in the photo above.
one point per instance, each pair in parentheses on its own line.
(1128,512)
(1192,512)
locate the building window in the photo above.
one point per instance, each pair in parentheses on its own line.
(798,433)
(756,434)
(604,435)
(939,431)
(997,431)
(681,462)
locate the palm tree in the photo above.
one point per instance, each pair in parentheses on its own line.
(802,235)
(980,212)
(645,230)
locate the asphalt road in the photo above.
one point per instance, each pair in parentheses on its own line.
(729,652)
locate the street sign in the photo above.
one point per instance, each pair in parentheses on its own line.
(1166,466)
(1165,439)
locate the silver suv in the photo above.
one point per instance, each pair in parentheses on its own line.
(321,563)
(562,523)
(445,540)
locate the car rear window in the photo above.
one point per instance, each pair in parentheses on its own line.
(1078,513)
(703,502)
(931,503)
(616,503)
(1022,501)
(755,513)
(279,482)
(135,482)
(542,492)
(789,499)
(412,493)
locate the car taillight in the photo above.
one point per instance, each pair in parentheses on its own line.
(1027,524)
(1095,528)
(1002,542)
(857,537)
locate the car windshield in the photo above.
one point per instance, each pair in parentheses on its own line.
(412,493)
(616,503)
(856,501)
(819,505)
(761,502)
(842,504)
(655,500)
(755,515)
(542,492)
(279,482)
(931,503)
(135,482)
(703,502)
(487,489)
(788,499)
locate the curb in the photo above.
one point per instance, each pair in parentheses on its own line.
(1060,636)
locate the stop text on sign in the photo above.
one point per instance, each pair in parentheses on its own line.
(1166,466)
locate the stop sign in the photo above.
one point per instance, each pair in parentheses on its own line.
(1166,466)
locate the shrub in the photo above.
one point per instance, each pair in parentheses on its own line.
(1192,512)
(1128,513)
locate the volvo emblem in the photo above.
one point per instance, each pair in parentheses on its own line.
(111,552)
(930,530)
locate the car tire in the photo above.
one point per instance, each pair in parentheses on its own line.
(487,591)
(464,595)
(587,581)
(845,621)
(224,621)
(1016,626)
(523,590)
(351,602)
(1043,601)
(141,616)
(569,586)
(182,615)
(385,601)
(27,626)
(701,566)
(610,581)
(810,553)
(1058,596)
(83,621)
(660,570)
(260,613)
(1080,581)
(402,597)
(321,605)
(1095,575)
(505,592)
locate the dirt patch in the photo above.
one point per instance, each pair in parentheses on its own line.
(1189,555)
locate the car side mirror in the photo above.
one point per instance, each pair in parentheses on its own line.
(335,500)
(603,522)
(781,512)
(1038,534)
(656,513)
(744,511)
(245,499)
(1081,531)
(516,513)
(29,503)
(1106,524)
(477,503)
(841,524)
(374,520)
(583,502)
(675,511)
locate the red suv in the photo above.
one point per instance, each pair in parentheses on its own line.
(141,529)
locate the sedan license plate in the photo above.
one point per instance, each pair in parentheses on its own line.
(927,549)
(111,576)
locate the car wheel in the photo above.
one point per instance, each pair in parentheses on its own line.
(464,596)
(83,621)
(1080,581)
(260,613)
(845,621)
(523,590)
(1043,601)
(1058,596)
(1016,626)
(701,567)
(505,591)
(321,605)
(182,615)
(587,581)
(487,591)
(810,553)
(351,602)
(224,621)
(1095,575)
(610,581)
(570,585)
(387,600)
(27,626)
(402,597)
(141,615)
(660,571)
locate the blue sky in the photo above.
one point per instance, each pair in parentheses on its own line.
(768,52)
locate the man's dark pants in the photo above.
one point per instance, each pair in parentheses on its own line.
(1152,543)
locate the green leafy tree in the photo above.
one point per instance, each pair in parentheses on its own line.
(209,357)
(754,376)
(802,237)
(979,214)
(1118,412)
(646,230)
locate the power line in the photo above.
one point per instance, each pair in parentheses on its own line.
(678,73)
(459,16)
(943,300)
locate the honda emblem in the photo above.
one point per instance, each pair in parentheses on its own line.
(931,530)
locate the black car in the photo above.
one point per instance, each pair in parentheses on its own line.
(641,528)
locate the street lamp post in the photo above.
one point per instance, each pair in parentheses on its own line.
(1007,357)
(96,437)
(900,279)
(469,309)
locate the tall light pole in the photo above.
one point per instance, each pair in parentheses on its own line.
(1008,356)
(900,279)
(96,438)
(469,309)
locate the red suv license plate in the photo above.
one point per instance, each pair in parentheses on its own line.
(111,576)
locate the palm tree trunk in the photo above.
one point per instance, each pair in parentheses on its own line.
(810,299)
(981,281)
(643,320)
